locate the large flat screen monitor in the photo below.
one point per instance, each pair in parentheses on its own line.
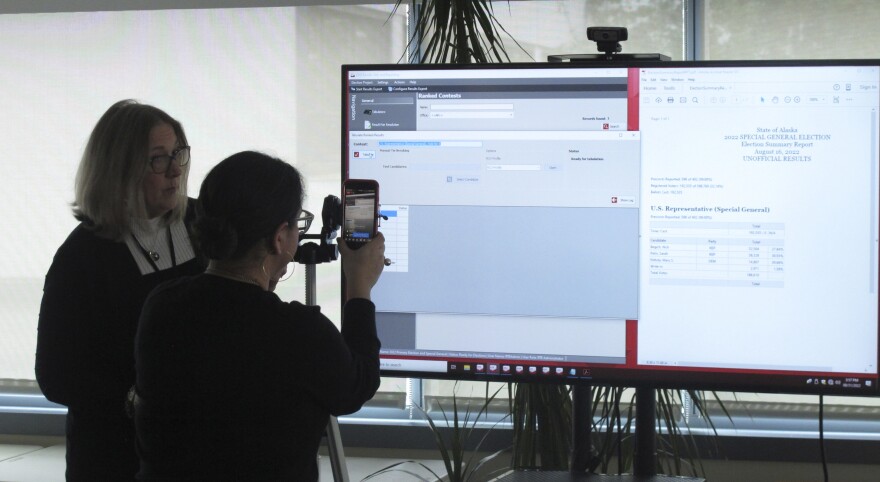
(677,224)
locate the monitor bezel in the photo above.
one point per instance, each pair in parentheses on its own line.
(765,381)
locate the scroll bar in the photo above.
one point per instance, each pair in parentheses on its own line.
(875,159)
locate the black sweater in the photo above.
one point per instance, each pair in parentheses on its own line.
(235,384)
(91,303)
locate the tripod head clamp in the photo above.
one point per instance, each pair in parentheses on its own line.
(327,250)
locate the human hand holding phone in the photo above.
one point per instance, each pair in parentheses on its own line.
(362,267)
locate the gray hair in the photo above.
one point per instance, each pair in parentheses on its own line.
(116,158)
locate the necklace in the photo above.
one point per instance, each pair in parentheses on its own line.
(153,256)
(152,253)
(233,276)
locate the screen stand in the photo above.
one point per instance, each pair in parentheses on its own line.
(581,425)
(645,456)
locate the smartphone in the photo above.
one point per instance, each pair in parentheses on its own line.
(360,211)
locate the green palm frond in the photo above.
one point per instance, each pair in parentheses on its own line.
(460,424)
(613,433)
(403,467)
(456,32)
(541,416)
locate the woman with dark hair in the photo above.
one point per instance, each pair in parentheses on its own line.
(232,382)
(130,196)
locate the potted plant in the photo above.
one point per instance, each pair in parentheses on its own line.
(453,437)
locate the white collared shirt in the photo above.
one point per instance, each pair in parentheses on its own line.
(153,236)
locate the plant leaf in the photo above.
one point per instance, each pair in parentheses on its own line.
(396,467)
(456,31)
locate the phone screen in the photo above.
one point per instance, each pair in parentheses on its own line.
(360,212)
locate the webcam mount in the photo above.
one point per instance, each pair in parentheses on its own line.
(608,42)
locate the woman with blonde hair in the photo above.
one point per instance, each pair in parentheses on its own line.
(131,201)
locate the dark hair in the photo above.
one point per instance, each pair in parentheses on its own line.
(116,159)
(242,202)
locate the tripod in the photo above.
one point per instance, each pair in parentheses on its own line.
(311,254)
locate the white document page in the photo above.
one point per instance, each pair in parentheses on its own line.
(758,226)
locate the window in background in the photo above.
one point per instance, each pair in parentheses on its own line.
(545,28)
(790,29)
(269,79)
(256,78)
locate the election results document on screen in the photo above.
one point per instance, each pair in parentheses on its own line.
(758,222)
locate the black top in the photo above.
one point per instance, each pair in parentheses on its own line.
(91,303)
(235,384)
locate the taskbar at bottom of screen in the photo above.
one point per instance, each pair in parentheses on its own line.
(730,379)
(478,368)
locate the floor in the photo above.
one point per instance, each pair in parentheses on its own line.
(34,463)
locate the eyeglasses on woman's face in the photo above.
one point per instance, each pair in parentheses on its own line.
(160,164)
(304,221)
